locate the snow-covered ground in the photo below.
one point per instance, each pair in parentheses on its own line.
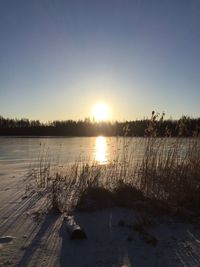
(29,236)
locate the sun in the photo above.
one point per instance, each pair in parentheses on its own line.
(101,112)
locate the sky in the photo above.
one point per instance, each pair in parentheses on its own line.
(58,58)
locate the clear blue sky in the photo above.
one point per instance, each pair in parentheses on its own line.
(59,57)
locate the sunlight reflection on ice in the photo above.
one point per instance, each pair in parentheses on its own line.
(101,150)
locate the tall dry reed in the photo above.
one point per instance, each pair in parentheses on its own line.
(168,171)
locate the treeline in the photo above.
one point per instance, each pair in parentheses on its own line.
(185,126)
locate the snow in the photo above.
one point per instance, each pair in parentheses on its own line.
(30,235)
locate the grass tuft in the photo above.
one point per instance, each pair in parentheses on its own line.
(165,180)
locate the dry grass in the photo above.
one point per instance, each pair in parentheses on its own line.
(167,176)
(170,170)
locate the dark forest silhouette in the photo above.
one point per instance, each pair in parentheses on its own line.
(26,127)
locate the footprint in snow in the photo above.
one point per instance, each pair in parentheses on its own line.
(6,239)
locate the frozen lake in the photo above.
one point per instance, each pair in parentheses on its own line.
(21,153)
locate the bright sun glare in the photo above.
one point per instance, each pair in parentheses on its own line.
(101,150)
(101,112)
